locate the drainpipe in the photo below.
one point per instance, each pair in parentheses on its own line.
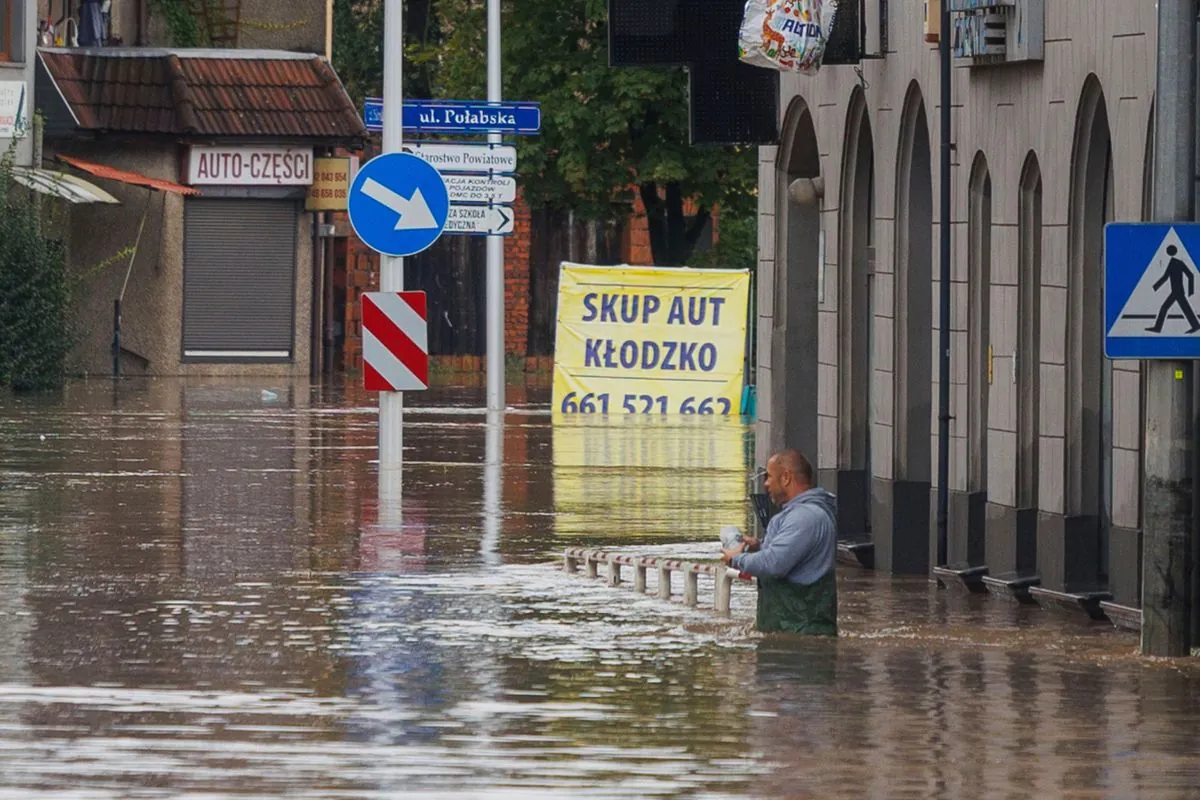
(943,495)
(330,260)
(143,23)
(316,300)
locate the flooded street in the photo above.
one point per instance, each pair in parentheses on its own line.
(198,598)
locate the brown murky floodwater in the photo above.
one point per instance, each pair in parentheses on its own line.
(197,599)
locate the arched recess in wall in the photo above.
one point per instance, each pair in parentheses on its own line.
(793,341)
(1029,334)
(1089,375)
(979,282)
(913,352)
(856,315)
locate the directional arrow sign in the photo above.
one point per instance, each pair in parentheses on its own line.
(480,158)
(398,204)
(414,211)
(480,188)
(480,220)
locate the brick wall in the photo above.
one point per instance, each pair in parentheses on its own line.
(516,281)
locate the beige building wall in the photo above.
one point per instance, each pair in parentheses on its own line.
(152,309)
(1002,114)
(297,25)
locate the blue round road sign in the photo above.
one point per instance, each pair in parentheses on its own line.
(398,204)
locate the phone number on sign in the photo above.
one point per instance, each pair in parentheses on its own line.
(644,404)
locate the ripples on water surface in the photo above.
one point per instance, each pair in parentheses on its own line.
(197,598)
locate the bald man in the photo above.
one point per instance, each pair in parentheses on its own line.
(794,563)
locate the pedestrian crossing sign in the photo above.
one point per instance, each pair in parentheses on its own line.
(1152,290)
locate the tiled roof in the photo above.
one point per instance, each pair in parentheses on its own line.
(203,92)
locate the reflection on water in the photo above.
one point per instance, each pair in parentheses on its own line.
(648,477)
(200,596)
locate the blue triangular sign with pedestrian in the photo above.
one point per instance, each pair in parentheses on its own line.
(1152,290)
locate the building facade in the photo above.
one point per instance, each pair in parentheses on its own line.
(1051,139)
(18,26)
(210,253)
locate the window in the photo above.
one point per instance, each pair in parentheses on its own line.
(6,13)
(11,41)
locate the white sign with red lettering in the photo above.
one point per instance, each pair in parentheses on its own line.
(250,165)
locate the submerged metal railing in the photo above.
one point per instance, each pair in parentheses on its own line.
(723,577)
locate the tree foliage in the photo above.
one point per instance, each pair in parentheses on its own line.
(608,134)
(35,328)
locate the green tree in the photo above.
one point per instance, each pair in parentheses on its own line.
(35,327)
(358,47)
(606,132)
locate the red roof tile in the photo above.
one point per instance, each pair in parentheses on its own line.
(204,93)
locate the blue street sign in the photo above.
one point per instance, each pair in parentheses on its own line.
(460,116)
(1151,282)
(398,204)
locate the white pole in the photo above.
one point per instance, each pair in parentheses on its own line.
(391,404)
(495,244)
(493,490)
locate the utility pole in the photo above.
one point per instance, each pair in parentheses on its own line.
(1166,549)
(943,495)
(495,244)
(391,404)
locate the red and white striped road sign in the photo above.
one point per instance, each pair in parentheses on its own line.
(395,342)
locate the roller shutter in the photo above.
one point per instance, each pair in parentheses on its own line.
(239,277)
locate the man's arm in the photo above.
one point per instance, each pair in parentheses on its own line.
(781,553)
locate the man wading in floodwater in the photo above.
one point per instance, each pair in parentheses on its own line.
(794,563)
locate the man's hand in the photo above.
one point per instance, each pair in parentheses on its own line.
(751,544)
(727,555)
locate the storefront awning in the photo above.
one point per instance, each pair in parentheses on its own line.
(62,185)
(125,176)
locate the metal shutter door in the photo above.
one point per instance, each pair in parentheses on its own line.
(239,278)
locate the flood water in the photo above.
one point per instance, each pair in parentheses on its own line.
(200,597)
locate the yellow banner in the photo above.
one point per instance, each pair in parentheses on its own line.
(650,340)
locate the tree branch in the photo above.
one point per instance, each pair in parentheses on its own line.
(655,224)
(697,227)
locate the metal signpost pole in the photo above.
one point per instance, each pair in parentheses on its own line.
(1166,557)
(391,404)
(495,244)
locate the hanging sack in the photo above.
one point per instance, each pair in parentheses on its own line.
(786,35)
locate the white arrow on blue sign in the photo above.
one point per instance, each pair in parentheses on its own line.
(398,204)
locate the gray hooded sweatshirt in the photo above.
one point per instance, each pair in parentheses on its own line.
(801,541)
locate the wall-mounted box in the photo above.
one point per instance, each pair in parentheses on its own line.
(985,32)
(933,20)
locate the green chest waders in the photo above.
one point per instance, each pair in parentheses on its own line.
(786,607)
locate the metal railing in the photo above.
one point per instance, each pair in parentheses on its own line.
(723,576)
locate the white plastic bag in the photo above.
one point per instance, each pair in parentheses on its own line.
(787,35)
(730,536)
